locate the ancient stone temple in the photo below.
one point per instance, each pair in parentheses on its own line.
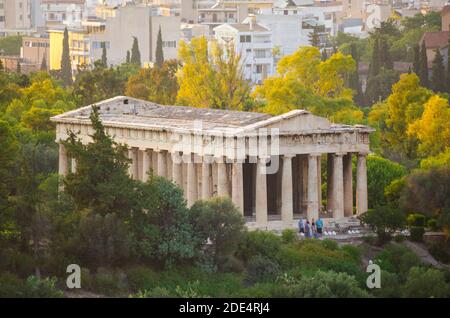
(270,166)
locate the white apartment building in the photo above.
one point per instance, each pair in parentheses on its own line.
(68,13)
(15,17)
(254,43)
(143,23)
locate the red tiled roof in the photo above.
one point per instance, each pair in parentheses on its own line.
(434,40)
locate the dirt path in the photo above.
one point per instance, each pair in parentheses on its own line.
(421,251)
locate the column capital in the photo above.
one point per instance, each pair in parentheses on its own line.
(288,155)
(362,153)
(339,154)
(314,154)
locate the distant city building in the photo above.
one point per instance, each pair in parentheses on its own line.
(15,17)
(254,43)
(142,22)
(34,50)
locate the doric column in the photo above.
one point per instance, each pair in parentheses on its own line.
(330,188)
(63,164)
(177,171)
(206,179)
(338,185)
(319,181)
(237,185)
(361,184)
(313,196)
(191,183)
(348,185)
(304,181)
(132,163)
(74,165)
(287,211)
(161,163)
(222,182)
(261,193)
(146,163)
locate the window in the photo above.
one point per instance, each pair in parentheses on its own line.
(261,54)
(171,44)
(246,38)
(286,12)
(259,69)
(2,18)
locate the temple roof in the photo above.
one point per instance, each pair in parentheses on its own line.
(125,111)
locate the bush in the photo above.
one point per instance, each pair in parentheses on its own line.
(397,259)
(289,236)
(142,278)
(425,282)
(218,220)
(16,262)
(416,219)
(432,224)
(266,244)
(328,285)
(384,220)
(416,233)
(109,283)
(330,244)
(11,285)
(157,292)
(390,286)
(262,269)
(440,251)
(41,288)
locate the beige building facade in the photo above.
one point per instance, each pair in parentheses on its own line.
(270,166)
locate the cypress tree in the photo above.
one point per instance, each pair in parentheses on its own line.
(324,55)
(385,56)
(1,65)
(423,70)
(44,64)
(314,39)
(416,62)
(66,68)
(438,83)
(18,67)
(104,58)
(127,59)
(374,67)
(135,54)
(159,55)
(448,66)
(354,83)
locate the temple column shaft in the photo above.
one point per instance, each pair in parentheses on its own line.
(191,183)
(348,186)
(146,163)
(338,185)
(206,179)
(237,184)
(132,163)
(287,211)
(177,172)
(313,196)
(222,182)
(161,163)
(319,181)
(261,194)
(74,165)
(361,184)
(63,164)
(330,188)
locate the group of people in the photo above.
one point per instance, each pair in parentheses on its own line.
(309,230)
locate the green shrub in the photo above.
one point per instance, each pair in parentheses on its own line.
(440,251)
(142,278)
(41,288)
(87,279)
(16,262)
(416,233)
(416,219)
(262,243)
(390,286)
(328,285)
(354,252)
(425,282)
(109,282)
(330,244)
(289,236)
(10,286)
(397,259)
(157,292)
(260,290)
(432,224)
(384,221)
(262,269)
